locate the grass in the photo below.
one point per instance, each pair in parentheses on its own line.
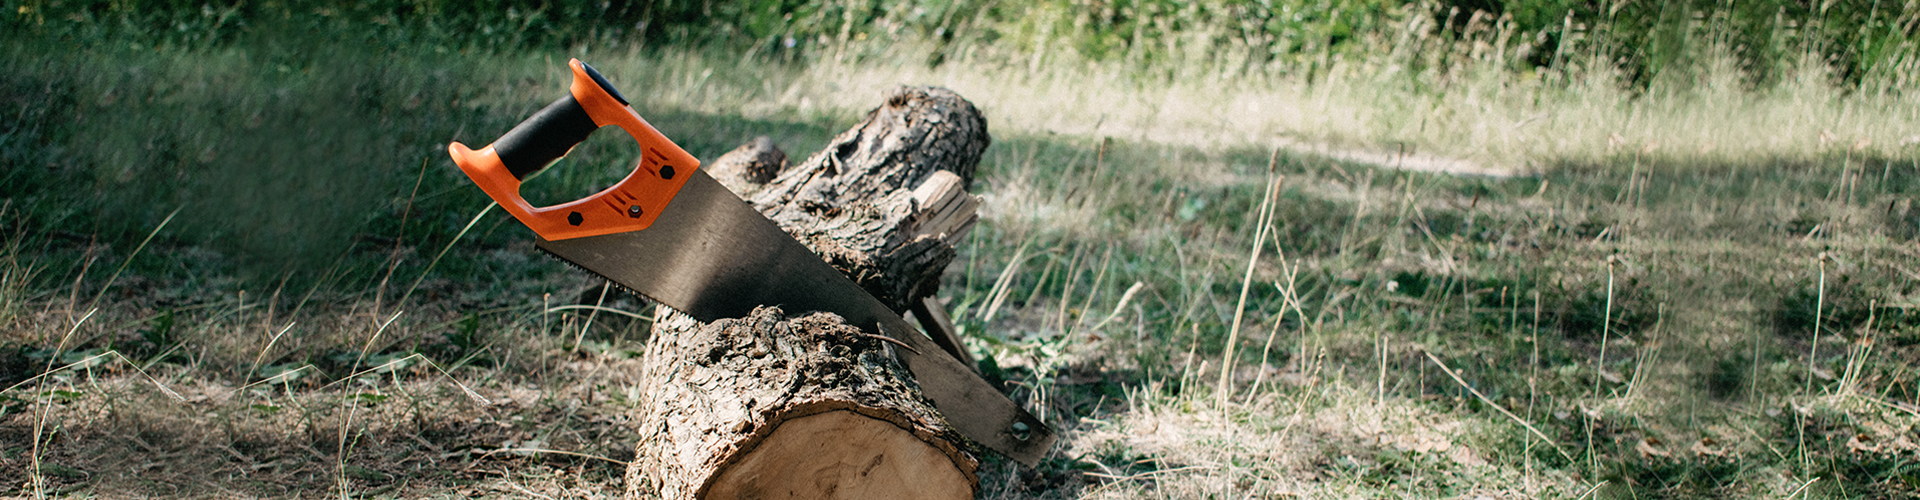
(1665,264)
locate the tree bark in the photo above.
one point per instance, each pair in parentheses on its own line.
(802,405)
(853,203)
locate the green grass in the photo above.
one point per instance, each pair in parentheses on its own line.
(1644,291)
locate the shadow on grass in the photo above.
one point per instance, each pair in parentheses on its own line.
(286,167)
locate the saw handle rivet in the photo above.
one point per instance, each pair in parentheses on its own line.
(666,171)
(634,211)
(575,218)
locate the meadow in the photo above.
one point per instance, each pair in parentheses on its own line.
(1443,252)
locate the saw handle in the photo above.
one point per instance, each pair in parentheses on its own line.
(544,137)
(591,103)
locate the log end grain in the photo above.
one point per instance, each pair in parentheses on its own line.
(842,454)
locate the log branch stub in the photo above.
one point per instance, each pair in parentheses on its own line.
(853,202)
(749,166)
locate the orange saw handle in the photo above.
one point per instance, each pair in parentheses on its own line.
(591,103)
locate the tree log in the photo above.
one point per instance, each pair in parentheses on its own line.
(802,405)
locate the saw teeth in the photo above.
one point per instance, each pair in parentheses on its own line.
(616,284)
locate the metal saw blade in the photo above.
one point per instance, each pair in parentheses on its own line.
(711,255)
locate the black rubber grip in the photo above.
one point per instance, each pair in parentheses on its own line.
(604,84)
(544,137)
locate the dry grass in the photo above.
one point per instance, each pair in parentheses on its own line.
(1482,118)
(402,426)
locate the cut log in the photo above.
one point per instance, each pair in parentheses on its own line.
(775,407)
(798,404)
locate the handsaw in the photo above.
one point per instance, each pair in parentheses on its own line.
(673,234)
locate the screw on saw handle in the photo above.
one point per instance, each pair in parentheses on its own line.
(591,103)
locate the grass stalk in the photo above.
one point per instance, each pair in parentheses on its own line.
(1802,488)
(607,310)
(1600,370)
(1813,357)
(1606,330)
(1651,350)
(1186,368)
(443,253)
(1590,490)
(39,481)
(1533,378)
(1086,306)
(1380,383)
(1496,406)
(1223,389)
(1857,355)
(262,356)
(325,277)
(399,239)
(592,313)
(1290,297)
(1004,284)
(1046,273)
(73,291)
(1066,291)
(1819,311)
(1118,307)
(129,260)
(340,457)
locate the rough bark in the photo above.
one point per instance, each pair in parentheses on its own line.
(853,201)
(720,390)
(806,406)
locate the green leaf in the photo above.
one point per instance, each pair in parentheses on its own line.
(62,471)
(392,362)
(62,396)
(10,405)
(365,474)
(281,374)
(160,330)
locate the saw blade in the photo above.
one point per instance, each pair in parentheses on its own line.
(711,255)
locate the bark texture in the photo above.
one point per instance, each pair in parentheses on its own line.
(776,405)
(720,390)
(853,201)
